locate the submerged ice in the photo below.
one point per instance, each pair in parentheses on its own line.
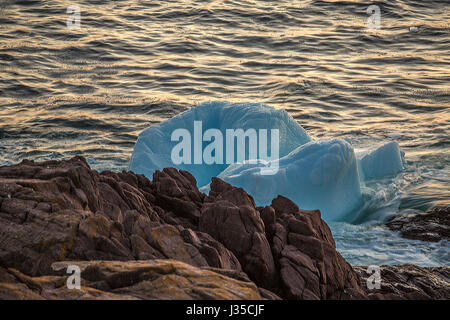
(323,174)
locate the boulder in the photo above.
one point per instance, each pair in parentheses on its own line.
(229,215)
(409,282)
(432,226)
(63,210)
(305,254)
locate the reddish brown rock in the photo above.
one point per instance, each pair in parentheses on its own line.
(176,192)
(409,282)
(62,210)
(305,254)
(131,280)
(229,215)
(433,225)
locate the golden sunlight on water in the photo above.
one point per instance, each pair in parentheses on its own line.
(131,64)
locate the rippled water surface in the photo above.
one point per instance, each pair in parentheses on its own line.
(90,91)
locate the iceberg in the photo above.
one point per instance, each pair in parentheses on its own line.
(325,174)
(384,160)
(153,149)
(317,175)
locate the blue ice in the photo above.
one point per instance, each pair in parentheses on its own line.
(323,174)
(383,160)
(154,146)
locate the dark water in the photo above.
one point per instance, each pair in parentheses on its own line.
(90,91)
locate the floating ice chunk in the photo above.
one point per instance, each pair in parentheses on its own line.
(318,175)
(321,175)
(154,147)
(381,161)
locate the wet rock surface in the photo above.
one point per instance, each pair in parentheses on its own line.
(433,225)
(409,282)
(164,239)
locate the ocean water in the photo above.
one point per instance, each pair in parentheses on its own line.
(132,63)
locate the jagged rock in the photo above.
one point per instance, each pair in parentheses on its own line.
(409,282)
(305,254)
(229,215)
(63,210)
(299,260)
(58,211)
(153,279)
(176,191)
(431,226)
(213,251)
(168,240)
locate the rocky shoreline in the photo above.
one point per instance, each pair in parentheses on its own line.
(432,226)
(163,239)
